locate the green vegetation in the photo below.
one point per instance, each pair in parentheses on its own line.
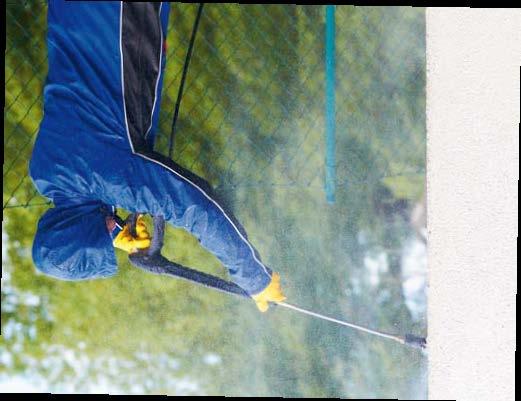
(252,123)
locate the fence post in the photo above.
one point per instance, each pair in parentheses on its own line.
(330,184)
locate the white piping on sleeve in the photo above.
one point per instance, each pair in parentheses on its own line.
(122,74)
(214,202)
(158,71)
(165,166)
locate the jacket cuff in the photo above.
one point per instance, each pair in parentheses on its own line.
(258,283)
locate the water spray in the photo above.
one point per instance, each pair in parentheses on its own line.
(152,261)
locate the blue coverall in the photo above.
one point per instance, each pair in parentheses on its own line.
(93,150)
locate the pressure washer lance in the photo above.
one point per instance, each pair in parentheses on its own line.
(152,261)
(408,339)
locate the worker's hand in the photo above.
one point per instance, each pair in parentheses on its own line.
(125,241)
(272,293)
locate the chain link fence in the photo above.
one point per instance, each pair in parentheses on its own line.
(252,113)
(252,122)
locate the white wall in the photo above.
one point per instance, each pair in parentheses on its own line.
(473,73)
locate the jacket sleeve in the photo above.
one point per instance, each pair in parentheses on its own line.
(151,183)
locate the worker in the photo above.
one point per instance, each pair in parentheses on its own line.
(93,152)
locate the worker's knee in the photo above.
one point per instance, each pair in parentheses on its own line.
(46,263)
(73,243)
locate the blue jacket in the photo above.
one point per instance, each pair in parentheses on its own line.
(101,103)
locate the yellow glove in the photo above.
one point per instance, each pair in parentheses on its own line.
(125,241)
(272,293)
